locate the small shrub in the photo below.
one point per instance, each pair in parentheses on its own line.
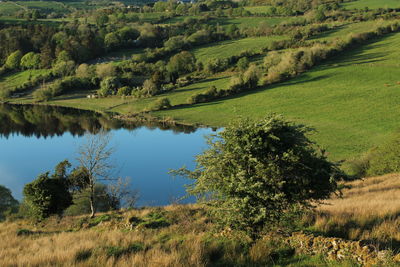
(124,91)
(161,103)
(120,251)
(83,255)
(24,232)
(154,220)
(97,220)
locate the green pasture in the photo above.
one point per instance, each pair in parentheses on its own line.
(372,4)
(353,101)
(9,81)
(229,48)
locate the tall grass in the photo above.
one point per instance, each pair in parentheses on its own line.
(369,210)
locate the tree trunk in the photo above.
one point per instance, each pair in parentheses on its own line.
(92,204)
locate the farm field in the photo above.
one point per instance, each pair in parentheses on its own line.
(15,79)
(47,6)
(229,48)
(250,22)
(372,4)
(342,30)
(8,8)
(352,101)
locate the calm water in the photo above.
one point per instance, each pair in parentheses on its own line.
(34,139)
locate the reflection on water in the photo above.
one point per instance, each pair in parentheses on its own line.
(44,121)
(33,139)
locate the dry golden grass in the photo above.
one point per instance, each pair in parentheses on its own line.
(375,196)
(369,210)
(186,241)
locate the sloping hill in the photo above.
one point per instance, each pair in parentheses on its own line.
(353,101)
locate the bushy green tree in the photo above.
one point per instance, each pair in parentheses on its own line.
(8,204)
(49,195)
(242,64)
(181,63)
(30,60)
(13,60)
(161,103)
(109,86)
(256,171)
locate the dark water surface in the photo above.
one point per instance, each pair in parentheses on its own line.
(33,139)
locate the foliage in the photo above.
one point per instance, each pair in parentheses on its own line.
(30,60)
(383,159)
(161,103)
(255,171)
(13,60)
(104,201)
(182,63)
(109,86)
(120,251)
(47,195)
(8,204)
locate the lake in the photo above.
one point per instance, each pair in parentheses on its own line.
(33,139)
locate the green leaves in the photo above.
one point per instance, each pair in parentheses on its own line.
(255,171)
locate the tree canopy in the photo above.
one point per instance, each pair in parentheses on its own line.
(256,171)
(8,203)
(49,195)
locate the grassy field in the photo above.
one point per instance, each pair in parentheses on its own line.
(372,4)
(352,101)
(178,19)
(250,22)
(257,9)
(44,6)
(342,30)
(368,210)
(229,48)
(9,8)
(11,80)
(171,236)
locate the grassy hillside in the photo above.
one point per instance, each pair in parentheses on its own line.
(9,8)
(229,48)
(183,235)
(372,4)
(14,79)
(352,101)
(368,210)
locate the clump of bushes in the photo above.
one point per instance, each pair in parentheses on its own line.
(381,160)
(67,84)
(161,103)
(120,251)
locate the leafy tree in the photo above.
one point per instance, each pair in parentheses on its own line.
(8,204)
(251,76)
(112,40)
(13,60)
(242,63)
(48,195)
(109,86)
(30,60)
(150,88)
(181,63)
(161,103)
(105,70)
(64,68)
(257,171)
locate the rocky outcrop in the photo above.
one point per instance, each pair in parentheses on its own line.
(339,249)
